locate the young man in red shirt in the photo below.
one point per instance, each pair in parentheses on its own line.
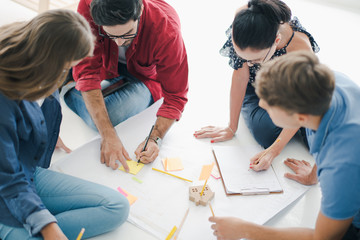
(140,48)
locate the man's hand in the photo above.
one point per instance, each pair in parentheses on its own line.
(229,227)
(52,232)
(112,150)
(303,172)
(150,154)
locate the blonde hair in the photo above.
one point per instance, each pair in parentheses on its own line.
(36,55)
(296,82)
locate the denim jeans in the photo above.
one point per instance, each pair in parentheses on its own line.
(121,105)
(259,122)
(76,204)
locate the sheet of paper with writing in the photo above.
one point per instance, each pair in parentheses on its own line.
(233,162)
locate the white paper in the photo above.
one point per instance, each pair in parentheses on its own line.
(162,199)
(234,167)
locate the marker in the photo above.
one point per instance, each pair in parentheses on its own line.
(147,140)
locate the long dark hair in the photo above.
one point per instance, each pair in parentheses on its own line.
(256,27)
(115,12)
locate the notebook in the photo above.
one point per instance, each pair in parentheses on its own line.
(233,163)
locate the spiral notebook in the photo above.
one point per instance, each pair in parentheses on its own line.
(233,163)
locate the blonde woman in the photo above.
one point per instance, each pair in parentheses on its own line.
(36,203)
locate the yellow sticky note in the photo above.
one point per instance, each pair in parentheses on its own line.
(134,167)
(172,164)
(206,171)
(130,198)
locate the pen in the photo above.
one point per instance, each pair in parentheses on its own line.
(266,151)
(147,140)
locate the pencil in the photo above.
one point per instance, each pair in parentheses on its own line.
(181,224)
(171,174)
(202,191)
(80,234)
(147,140)
(173,230)
(266,151)
(212,212)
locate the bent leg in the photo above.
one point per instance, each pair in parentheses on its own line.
(14,233)
(77,203)
(121,105)
(258,120)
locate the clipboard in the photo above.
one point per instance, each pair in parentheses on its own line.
(245,190)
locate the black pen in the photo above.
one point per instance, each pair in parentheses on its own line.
(147,140)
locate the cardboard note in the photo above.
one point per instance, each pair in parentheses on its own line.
(130,198)
(206,171)
(172,164)
(134,167)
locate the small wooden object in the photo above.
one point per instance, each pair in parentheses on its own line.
(194,195)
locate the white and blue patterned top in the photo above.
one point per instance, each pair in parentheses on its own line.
(237,62)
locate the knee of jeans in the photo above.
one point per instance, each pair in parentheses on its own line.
(264,134)
(119,207)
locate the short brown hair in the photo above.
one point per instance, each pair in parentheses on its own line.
(34,55)
(296,82)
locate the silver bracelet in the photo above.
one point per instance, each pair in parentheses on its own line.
(231,130)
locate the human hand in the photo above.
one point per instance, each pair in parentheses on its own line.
(60,144)
(150,154)
(52,232)
(112,150)
(262,160)
(228,227)
(304,173)
(217,134)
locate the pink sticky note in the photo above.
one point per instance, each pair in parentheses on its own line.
(122,191)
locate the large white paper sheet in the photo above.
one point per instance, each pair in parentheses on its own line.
(162,199)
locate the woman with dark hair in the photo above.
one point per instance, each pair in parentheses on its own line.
(261,31)
(36,203)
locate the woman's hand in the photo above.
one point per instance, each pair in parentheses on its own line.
(60,144)
(217,134)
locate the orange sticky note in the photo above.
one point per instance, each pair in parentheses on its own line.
(130,198)
(206,171)
(172,164)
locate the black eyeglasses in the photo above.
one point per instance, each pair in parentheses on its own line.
(125,36)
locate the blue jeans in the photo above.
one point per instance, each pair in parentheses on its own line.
(76,204)
(122,104)
(259,122)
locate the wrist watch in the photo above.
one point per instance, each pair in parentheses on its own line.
(158,141)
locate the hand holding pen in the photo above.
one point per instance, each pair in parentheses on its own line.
(263,160)
(148,150)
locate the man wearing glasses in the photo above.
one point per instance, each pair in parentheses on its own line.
(139,58)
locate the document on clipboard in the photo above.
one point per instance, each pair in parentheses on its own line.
(233,163)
